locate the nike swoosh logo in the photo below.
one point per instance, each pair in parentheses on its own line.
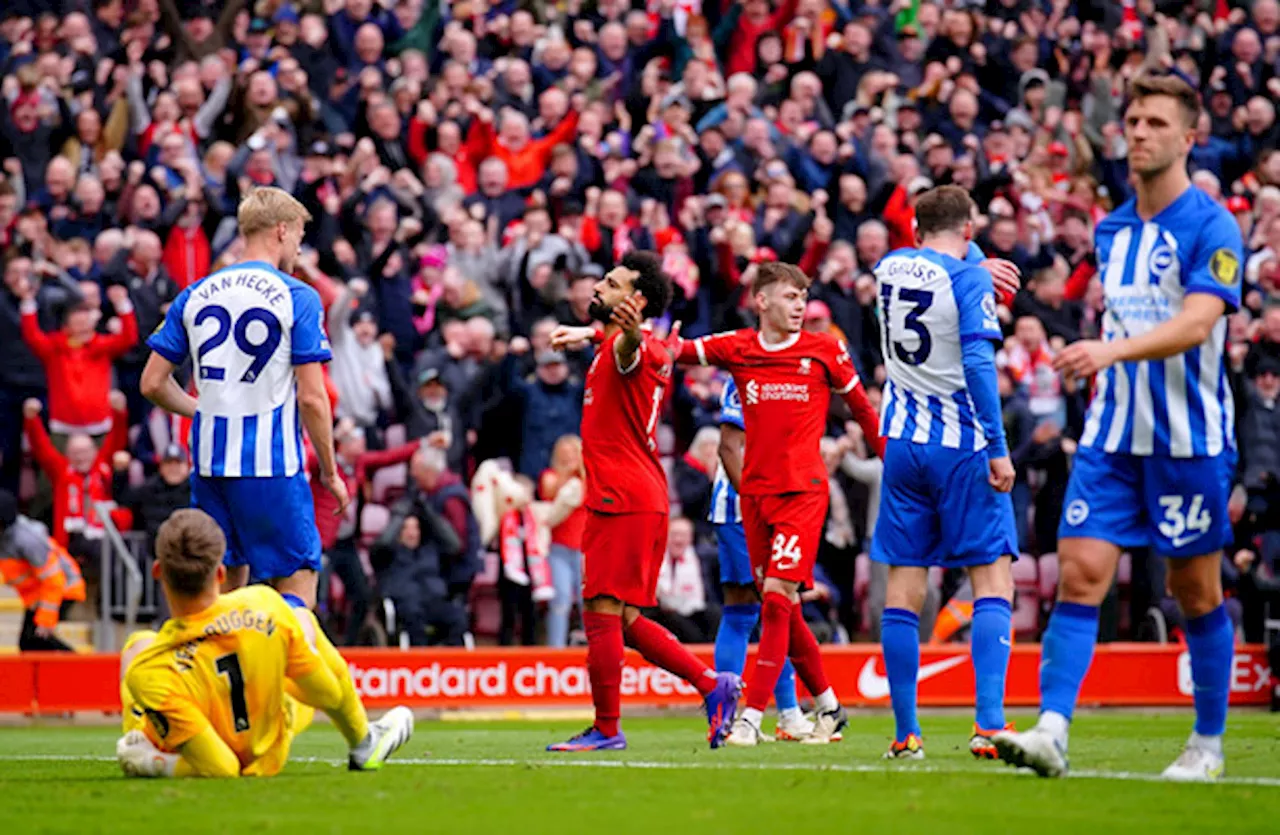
(1179,541)
(874,685)
(1005,641)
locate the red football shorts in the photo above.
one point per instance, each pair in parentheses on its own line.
(622,555)
(783,533)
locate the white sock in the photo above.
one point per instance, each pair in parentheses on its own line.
(1212,744)
(752,716)
(791,714)
(1056,725)
(827,701)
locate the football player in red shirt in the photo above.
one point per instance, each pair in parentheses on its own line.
(627,504)
(785,377)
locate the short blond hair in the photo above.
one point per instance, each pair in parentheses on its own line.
(264,207)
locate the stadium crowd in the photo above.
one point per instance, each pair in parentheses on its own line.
(472,169)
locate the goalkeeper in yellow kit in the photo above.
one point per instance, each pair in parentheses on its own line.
(206,696)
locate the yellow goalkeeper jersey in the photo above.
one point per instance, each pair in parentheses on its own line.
(225,668)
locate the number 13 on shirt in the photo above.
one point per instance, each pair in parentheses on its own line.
(916,302)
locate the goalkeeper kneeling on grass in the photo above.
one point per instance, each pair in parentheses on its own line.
(230,679)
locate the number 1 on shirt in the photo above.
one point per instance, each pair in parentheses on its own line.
(229,665)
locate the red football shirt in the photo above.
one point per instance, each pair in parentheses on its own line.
(619,417)
(785,391)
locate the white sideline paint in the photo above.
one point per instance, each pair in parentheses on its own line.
(727,765)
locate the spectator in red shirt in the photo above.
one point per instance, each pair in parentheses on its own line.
(747,21)
(80,476)
(77,361)
(563,484)
(527,159)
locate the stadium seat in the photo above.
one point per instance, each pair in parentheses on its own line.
(1048,579)
(666,440)
(396,435)
(27,483)
(1026,577)
(1026,597)
(1124,571)
(486,610)
(373,520)
(668,467)
(137,474)
(1026,615)
(861,585)
(389,483)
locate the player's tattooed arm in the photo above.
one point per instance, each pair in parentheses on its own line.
(628,315)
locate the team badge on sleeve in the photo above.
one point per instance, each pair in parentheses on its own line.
(989,318)
(1224,266)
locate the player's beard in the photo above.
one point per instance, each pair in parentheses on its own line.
(599,311)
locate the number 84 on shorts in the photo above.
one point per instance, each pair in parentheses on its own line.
(783,532)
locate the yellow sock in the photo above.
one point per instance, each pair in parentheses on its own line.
(349,715)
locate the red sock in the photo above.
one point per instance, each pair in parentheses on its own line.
(660,648)
(805,655)
(775,629)
(604,667)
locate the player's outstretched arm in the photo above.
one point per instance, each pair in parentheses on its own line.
(572,337)
(160,388)
(1186,330)
(317,417)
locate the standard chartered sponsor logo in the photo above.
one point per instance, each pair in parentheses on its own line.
(504,679)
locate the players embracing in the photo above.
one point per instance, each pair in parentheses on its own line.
(944,498)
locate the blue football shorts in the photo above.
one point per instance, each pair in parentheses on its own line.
(937,508)
(1175,506)
(270,523)
(735,563)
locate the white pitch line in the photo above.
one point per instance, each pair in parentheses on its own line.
(658,765)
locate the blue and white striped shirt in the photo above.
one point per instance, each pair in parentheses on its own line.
(245,327)
(930,304)
(1181,406)
(725,508)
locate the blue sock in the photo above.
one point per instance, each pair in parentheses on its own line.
(991,643)
(900,640)
(1211,642)
(734,636)
(294,601)
(1066,653)
(784,692)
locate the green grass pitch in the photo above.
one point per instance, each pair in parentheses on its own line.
(495,777)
